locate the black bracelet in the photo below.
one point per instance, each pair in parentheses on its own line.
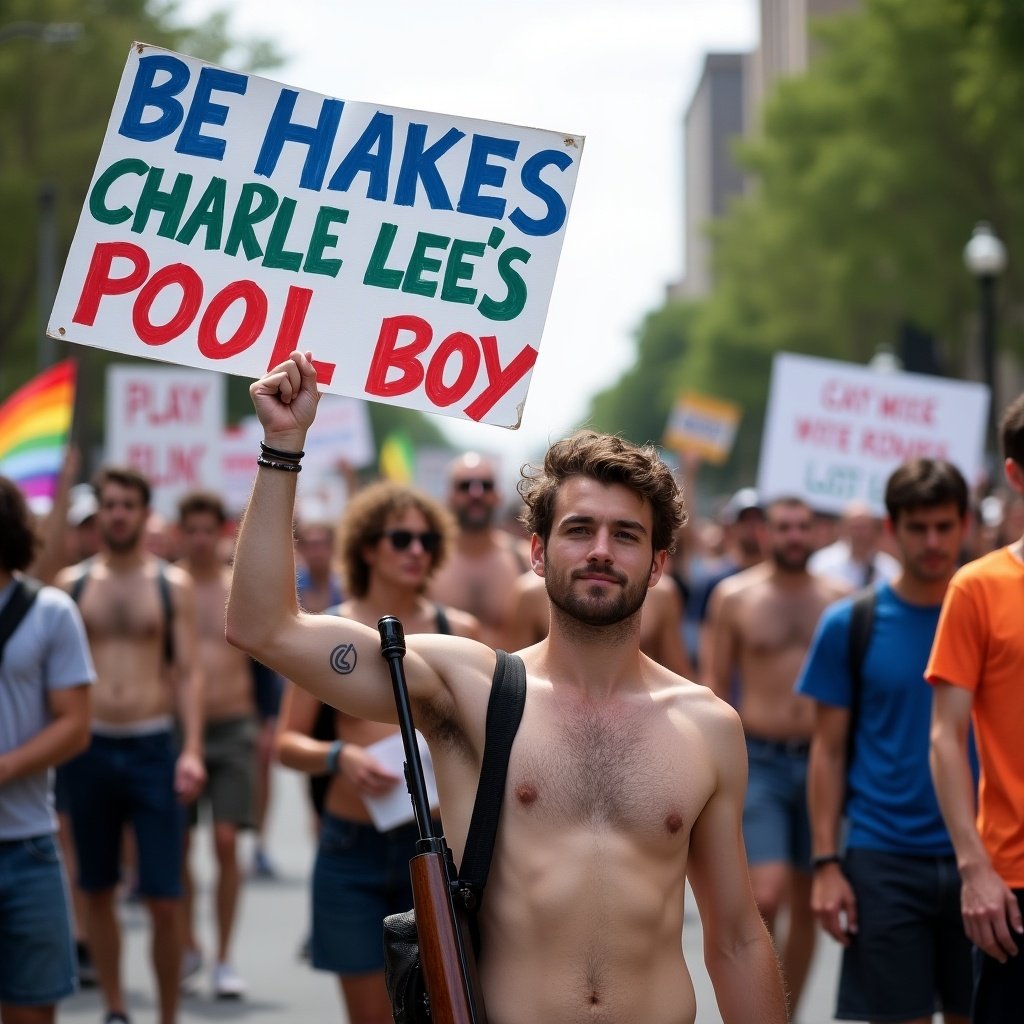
(278,454)
(288,467)
(824,860)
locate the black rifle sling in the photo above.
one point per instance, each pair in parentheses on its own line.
(504,713)
(22,595)
(862,620)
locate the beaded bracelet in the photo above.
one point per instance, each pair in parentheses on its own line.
(278,454)
(288,467)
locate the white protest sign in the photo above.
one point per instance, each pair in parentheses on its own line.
(835,431)
(341,432)
(232,219)
(167,423)
(239,446)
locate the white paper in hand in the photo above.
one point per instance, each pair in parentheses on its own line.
(395,807)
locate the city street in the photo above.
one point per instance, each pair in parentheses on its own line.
(273,921)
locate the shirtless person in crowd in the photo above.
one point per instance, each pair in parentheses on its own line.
(624,779)
(392,537)
(229,733)
(660,621)
(761,623)
(480,575)
(139,615)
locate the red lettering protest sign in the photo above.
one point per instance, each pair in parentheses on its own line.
(835,431)
(232,219)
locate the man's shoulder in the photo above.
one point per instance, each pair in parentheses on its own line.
(745,581)
(990,567)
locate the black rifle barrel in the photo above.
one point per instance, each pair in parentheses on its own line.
(392,649)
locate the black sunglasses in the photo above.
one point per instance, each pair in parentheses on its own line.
(401,539)
(465,486)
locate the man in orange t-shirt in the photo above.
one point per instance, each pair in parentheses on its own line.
(977,665)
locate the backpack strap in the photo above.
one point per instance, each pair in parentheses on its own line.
(17,606)
(862,621)
(167,604)
(504,713)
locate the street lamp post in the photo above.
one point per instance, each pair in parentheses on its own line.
(985,257)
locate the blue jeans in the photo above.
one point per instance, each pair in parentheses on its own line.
(776,826)
(37,954)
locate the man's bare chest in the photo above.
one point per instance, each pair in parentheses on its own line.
(617,770)
(768,624)
(122,609)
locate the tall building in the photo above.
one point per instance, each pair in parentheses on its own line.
(712,123)
(726,104)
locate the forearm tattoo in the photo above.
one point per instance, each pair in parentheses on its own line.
(343,659)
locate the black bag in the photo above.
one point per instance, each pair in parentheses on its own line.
(403,973)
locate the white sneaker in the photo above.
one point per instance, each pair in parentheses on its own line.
(226,983)
(191,965)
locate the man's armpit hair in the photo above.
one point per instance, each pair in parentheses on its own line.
(343,659)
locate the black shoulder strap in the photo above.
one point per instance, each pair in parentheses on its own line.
(79,584)
(504,713)
(23,594)
(441,620)
(167,603)
(862,620)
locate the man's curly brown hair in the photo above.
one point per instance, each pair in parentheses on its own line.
(609,460)
(364,522)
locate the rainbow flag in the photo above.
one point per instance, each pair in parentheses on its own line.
(34,426)
(398,458)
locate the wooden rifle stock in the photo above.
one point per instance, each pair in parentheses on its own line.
(446,950)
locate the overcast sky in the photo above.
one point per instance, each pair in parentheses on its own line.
(620,72)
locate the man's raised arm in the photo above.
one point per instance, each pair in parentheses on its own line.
(337,660)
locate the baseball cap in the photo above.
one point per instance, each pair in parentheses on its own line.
(743,500)
(82,504)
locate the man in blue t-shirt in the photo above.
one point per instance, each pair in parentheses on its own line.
(892,899)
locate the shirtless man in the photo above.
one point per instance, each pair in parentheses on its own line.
(624,779)
(480,575)
(761,623)
(229,733)
(660,621)
(133,771)
(391,538)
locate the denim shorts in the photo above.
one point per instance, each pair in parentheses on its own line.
(120,780)
(360,876)
(776,826)
(37,952)
(910,957)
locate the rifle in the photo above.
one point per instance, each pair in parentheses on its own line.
(446,950)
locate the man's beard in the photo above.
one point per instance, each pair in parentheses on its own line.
(791,560)
(474,519)
(122,545)
(595,611)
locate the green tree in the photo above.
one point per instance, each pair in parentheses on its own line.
(638,404)
(870,172)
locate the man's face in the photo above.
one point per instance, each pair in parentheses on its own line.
(316,546)
(200,537)
(746,532)
(789,529)
(473,496)
(122,517)
(598,560)
(929,541)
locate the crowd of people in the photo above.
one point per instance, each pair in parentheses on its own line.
(797,714)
